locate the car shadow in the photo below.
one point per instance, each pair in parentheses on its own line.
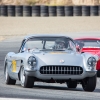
(52,87)
(97,90)
(58,88)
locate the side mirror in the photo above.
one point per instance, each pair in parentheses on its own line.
(23,50)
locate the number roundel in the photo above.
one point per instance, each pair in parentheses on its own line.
(13,66)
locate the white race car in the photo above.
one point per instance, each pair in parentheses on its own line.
(50,58)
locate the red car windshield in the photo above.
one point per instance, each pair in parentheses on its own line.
(89,43)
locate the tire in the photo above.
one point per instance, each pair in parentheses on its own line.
(44,11)
(4,11)
(99,10)
(8,80)
(94,11)
(89,84)
(85,10)
(19,10)
(77,11)
(68,10)
(60,11)
(98,73)
(52,11)
(26,81)
(11,10)
(72,84)
(36,11)
(27,11)
(0,10)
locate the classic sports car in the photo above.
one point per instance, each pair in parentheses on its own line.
(52,59)
(91,45)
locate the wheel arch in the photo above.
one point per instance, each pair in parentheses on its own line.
(20,69)
(5,62)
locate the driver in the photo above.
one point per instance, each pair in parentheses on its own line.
(60,44)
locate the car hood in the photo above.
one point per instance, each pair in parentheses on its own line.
(93,51)
(60,58)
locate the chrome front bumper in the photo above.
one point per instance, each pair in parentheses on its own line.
(37,74)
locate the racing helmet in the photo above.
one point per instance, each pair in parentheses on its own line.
(59,44)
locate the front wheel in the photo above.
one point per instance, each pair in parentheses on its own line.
(72,84)
(8,80)
(89,84)
(26,81)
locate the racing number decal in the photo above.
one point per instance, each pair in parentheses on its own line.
(13,66)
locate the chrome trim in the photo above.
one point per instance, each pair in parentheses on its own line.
(70,70)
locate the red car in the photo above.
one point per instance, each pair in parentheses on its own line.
(90,45)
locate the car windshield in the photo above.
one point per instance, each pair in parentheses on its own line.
(89,43)
(49,43)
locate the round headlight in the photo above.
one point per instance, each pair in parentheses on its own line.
(32,61)
(91,62)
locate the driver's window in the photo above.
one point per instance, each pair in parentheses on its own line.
(72,45)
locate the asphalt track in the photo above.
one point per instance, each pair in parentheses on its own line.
(41,90)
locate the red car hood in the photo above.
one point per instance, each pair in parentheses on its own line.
(91,50)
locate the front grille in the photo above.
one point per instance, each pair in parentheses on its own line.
(70,70)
